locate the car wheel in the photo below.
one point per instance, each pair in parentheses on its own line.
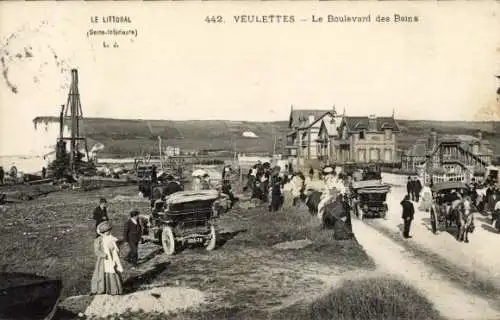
(168,241)
(212,242)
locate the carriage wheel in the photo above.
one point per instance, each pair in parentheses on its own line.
(212,242)
(168,241)
(433,221)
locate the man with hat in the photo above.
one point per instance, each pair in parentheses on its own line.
(132,234)
(101,212)
(171,186)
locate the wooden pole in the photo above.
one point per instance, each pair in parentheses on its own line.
(161,159)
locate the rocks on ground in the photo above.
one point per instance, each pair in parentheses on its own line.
(160,300)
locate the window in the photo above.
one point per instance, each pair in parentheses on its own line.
(388,135)
(374,154)
(361,135)
(361,155)
(388,155)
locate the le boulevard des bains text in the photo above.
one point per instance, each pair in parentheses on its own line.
(330,18)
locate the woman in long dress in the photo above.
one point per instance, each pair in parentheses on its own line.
(107,277)
(426,196)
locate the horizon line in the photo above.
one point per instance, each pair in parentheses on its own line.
(238,120)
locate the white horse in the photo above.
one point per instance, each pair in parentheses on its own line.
(465,221)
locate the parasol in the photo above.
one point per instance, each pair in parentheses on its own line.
(328,170)
(199,173)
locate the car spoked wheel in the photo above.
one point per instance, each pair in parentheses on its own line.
(168,240)
(211,243)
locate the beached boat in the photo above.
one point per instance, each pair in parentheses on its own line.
(27,296)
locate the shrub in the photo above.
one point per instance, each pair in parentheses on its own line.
(376,298)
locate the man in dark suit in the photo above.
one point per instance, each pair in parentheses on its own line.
(132,234)
(417,188)
(171,186)
(100,213)
(409,188)
(408,212)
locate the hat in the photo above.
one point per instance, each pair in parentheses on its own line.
(103,227)
(328,170)
(134,213)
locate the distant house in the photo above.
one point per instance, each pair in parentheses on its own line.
(303,141)
(327,139)
(452,153)
(367,139)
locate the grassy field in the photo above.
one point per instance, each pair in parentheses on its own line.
(131,137)
(247,277)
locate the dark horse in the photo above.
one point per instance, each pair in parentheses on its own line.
(337,216)
(312,199)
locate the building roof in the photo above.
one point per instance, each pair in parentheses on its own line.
(465,141)
(298,115)
(358,123)
(331,126)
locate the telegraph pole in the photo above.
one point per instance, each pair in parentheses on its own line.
(161,159)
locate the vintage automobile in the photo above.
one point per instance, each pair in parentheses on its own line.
(185,217)
(368,198)
(440,211)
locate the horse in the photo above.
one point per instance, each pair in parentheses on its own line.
(337,216)
(449,212)
(480,200)
(312,200)
(465,221)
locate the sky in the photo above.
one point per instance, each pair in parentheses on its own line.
(179,67)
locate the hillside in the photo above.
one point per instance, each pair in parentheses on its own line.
(130,137)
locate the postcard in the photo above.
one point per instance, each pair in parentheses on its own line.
(250,160)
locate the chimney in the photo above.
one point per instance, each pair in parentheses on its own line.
(311,118)
(372,123)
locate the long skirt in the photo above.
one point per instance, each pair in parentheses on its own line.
(105,283)
(288,199)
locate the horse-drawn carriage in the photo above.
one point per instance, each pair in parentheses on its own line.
(368,198)
(185,217)
(443,206)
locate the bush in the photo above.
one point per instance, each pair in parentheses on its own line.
(376,298)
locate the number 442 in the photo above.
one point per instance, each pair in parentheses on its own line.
(214,19)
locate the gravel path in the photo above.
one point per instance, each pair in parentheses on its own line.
(479,257)
(450,300)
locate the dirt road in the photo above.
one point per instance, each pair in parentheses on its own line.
(479,257)
(452,301)
(461,279)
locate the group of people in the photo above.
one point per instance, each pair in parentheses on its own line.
(107,276)
(413,188)
(266,184)
(164,187)
(488,200)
